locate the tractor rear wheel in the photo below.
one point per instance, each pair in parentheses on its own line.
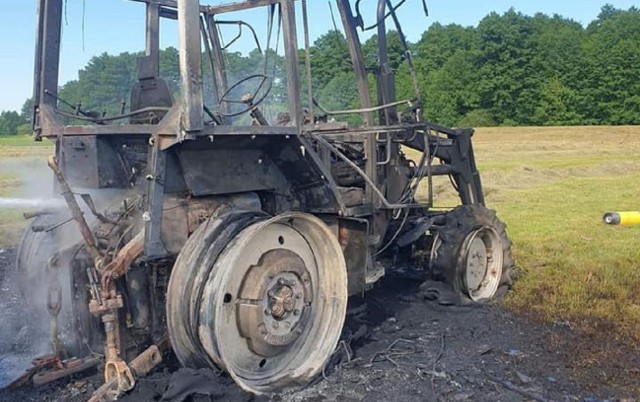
(268,298)
(472,253)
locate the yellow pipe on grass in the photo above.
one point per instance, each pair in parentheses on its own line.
(622,218)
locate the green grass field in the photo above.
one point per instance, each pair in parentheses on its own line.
(551,186)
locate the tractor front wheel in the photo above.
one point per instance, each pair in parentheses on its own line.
(472,253)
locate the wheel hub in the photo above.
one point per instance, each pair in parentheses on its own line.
(284,307)
(275,294)
(476,264)
(483,263)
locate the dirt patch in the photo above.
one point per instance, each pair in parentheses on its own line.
(399,347)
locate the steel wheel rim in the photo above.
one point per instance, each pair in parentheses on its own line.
(273,307)
(482,260)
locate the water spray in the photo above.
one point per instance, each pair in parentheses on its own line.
(30,203)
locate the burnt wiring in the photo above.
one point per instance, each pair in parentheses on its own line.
(411,189)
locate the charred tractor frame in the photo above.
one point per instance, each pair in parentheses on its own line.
(235,240)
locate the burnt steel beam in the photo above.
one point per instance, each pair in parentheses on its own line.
(48,57)
(153,38)
(154,247)
(357,59)
(192,119)
(219,9)
(220,69)
(166,3)
(291,54)
(385,75)
(37,65)
(243,5)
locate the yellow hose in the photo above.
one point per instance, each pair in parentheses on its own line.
(622,218)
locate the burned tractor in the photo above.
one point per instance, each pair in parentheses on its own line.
(234,235)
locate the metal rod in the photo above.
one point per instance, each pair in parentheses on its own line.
(307,56)
(364,110)
(75,210)
(153,37)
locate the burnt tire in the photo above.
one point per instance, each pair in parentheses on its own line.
(192,267)
(472,253)
(44,238)
(263,299)
(34,251)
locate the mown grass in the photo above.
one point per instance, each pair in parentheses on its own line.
(552,186)
(18,155)
(14,146)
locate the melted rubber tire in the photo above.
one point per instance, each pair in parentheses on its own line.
(183,296)
(79,330)
(447,264)
(33,254)
(216,265)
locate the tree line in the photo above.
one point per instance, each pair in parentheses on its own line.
(511,69)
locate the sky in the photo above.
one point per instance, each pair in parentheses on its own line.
(91,27)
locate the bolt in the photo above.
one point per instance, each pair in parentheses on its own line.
(267,311)
(270,293)
(276,325)
(281,282)
(298,295)
(293,283)
(260,161)
(296,312)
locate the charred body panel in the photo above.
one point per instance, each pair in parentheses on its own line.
(260,230)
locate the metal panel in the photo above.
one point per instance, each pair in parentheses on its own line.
(225,171)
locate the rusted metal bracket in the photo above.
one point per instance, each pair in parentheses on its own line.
(140,367)
(76,212)
(126,256)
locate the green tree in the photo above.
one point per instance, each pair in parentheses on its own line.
(329,58)
(611,92)
(10,120)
